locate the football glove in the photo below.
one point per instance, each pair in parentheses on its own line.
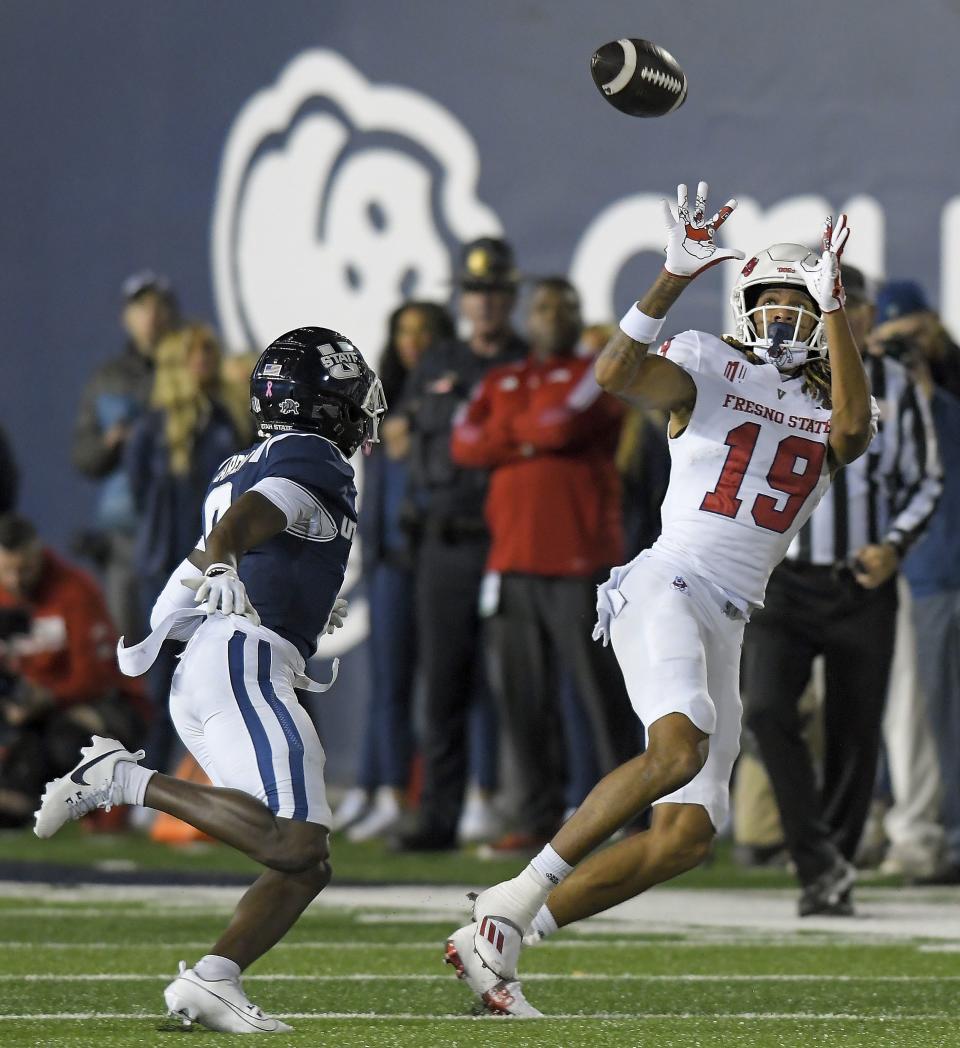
(823,277)
(337,616)
(220,589)
(691,239)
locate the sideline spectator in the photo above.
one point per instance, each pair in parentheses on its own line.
(235,371)
(172,452)
(548,434)
(835,595)
(9,475)
(60,680)
(111,402)
(374,806)
(446,519)
(912,330)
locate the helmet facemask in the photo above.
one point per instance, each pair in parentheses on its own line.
(781,343)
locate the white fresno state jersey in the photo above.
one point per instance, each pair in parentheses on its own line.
(748,470)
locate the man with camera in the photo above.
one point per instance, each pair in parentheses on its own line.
(59,680)
(835,595)
(920,849)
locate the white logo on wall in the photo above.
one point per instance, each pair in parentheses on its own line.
(337,199)
(635,223)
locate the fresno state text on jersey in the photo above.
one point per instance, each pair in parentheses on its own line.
(748,469)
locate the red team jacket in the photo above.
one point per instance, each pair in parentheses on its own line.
(71,647)
(548,433)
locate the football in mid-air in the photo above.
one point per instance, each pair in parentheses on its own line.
(638,77)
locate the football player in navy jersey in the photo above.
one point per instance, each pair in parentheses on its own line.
(252,600)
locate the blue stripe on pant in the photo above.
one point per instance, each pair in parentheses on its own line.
(293,737)
(261,744)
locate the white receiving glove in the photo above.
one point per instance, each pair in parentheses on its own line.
(823,277)
(337,615)
(691,241)
(220,589)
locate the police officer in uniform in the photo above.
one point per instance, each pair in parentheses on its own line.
(447,517)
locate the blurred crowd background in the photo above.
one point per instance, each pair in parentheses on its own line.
(476,222)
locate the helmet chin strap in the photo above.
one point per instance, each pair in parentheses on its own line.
(783,351)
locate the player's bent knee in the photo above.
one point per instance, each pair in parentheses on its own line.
(296,847)
(679,765)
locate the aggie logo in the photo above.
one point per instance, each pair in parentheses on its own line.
(338,198)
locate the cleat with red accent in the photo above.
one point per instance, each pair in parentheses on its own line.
(499,996)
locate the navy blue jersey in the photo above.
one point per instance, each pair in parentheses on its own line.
(293,578)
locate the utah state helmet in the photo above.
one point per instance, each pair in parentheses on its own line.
(314,380)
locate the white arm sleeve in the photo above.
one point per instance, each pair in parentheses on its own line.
(292,499)
(174,594)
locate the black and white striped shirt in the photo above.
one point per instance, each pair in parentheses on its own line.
(891,491)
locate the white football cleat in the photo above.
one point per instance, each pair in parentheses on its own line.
(497,939)
(90,785)
(499,996)
(219,1004)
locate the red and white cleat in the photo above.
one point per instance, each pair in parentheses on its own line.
(500,996)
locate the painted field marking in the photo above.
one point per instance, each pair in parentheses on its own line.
(532,977)
(626,1016)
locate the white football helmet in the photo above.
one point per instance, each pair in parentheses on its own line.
(777,266)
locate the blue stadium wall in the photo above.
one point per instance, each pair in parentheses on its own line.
(315,161)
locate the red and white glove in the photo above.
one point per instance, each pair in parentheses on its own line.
(823,277)
(691,239)
(337,616)
(220,589)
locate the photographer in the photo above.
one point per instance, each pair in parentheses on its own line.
(910,331)
(59,680)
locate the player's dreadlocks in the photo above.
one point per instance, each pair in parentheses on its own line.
(816,373)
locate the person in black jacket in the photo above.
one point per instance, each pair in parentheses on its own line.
(374,806)
(112,401)
(835,595)
(9,475)
(446,516)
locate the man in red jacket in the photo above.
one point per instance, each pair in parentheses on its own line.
(548,434)
(59,679)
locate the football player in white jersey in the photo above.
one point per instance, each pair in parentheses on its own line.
(758,424)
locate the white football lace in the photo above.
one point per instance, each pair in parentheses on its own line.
(671,83)
(105,797)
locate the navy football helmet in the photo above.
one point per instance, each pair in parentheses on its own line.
(315,380)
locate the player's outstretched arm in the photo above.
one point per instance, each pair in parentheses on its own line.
(623,367)
(851,428)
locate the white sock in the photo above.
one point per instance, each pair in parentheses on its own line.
(551,865)
(517,899)
(213,968)
(544,924)
(132,780)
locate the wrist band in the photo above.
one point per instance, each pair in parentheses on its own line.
(639,326)
(217,569)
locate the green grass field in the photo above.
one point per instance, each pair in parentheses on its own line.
(721,961)
(82,968)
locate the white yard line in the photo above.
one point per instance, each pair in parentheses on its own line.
(528,977)
(628,1016)
(883,913)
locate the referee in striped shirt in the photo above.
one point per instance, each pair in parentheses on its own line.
(835,595)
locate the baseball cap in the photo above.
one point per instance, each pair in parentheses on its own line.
(144,280)
(900,298)
(487,265)
(854,282)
